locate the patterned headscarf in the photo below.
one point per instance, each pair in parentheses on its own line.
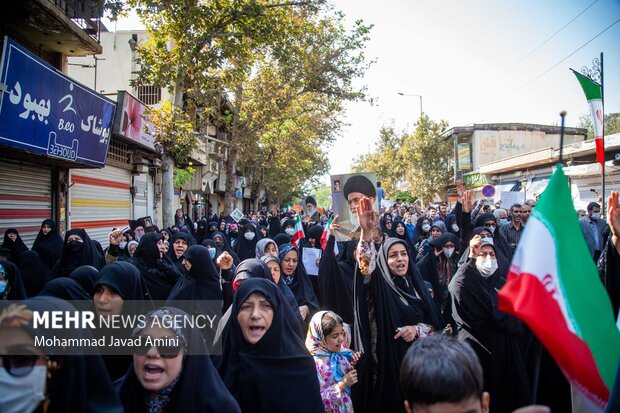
(317,344)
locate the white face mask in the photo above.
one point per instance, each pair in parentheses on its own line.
(122,245)
(289,231)
(426,227)
(492,229)
(595,214)
(487,266)
(455,228)
(249,236)
(448,252)
(22,394)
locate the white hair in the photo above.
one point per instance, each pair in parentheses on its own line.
(497,212)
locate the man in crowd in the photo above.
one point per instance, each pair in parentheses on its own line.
(592,228)
(512,230)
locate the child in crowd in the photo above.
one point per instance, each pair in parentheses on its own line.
(328,340)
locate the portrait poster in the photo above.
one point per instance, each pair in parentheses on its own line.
(347,190)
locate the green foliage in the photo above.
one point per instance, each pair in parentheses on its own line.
(273,74)
(183,176)
(405,196)
(421,159)
(173,130)
(612,124)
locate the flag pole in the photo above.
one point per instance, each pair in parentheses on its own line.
(563,117)
(603,164)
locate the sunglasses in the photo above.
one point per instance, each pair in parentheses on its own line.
(19,366)
(167,352)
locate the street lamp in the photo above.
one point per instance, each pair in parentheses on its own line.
(419,96)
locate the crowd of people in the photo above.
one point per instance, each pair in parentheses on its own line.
(405,316)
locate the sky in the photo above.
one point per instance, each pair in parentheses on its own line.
(472,62)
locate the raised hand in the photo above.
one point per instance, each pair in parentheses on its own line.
(468,204)
(334,227)
(366,215)
(474,246)
(116,237)
(224,261)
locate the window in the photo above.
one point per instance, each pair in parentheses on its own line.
(150,95)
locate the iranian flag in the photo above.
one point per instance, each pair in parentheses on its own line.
(554,287)
(299,232)
(594,95)
(325,236)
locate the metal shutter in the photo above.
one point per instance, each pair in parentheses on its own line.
(99,200)
(25,198)
(140,208)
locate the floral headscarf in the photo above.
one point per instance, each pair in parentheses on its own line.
(317,345)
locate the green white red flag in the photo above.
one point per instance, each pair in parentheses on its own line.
(594,95)
(299,231)
(325,236)
(554,287)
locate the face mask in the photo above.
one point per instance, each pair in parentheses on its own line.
(289,231)
(219,245)
(122,245)
(426,227)
(455,228)
(212,253)
(595,214)
(75,246)
(249,236)
(491,229)
(22,394)
(503,221)
(448,252)
(486,266)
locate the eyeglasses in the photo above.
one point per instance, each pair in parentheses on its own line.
(166,352)
(19,366)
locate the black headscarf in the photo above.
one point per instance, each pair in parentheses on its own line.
(383,223)
(70,260)
(159,273)
(398,301)
(277,374)
(498,239)
(336,275)
(299,283)
(65,289)
(199,388)
(16,247)
(34,273)
(246,249)
(493,335)
(203,280)
(315,232)
(80,383)
(225,247)
(14,289)
(178,261)
(429,267)
(282,239)
(124,278)
(86,276)
(404,237)
(274,226)
(48,246)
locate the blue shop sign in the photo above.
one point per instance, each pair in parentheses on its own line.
(44,111)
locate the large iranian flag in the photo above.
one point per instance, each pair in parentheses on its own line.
(554,287)
(594,95)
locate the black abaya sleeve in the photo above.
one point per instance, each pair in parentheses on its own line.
(336,287)
(610,275)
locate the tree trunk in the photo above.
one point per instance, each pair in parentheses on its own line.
(231,163)
(167,165)
(167,190)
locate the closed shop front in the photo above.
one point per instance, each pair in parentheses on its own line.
(100,199)
(143,201)
(25,198)
(586,189)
